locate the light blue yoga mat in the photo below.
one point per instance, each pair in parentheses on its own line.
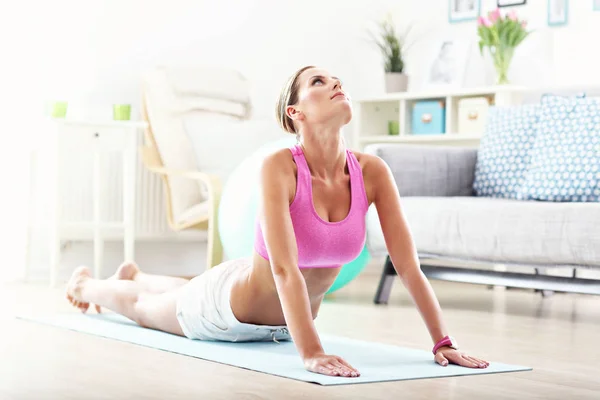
(376,362)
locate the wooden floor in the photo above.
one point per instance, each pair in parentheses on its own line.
(557,336)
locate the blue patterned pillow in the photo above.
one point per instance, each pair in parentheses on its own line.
(565,160)
(503,155)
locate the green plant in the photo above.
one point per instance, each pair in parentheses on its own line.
(501,35)
(392,45)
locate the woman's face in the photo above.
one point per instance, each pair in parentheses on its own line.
(321,99)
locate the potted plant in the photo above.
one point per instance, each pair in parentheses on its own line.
(393,48)
(501,35)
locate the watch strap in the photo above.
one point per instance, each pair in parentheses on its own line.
(445,341)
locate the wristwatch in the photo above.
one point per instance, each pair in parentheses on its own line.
(446,341)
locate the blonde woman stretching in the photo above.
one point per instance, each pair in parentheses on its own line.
(314,199)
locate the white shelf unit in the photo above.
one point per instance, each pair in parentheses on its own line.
(373,114)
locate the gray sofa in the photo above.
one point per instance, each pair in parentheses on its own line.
(451,225)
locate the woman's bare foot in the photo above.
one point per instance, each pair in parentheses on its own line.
(126,271)
(75,287)
(130,271)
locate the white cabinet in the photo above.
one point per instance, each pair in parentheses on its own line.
(91,142)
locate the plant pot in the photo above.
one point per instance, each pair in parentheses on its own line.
(396,82)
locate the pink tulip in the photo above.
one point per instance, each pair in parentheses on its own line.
(494,15)
(512,15)
(479,21)
(486,22)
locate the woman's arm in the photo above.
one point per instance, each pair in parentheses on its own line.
(402,250)
(403,254)
(281,245)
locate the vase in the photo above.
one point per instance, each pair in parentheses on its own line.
(502,59)
(393,128)
(396,82)
(59,109)
(121,112)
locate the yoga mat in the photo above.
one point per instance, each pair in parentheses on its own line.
(376,362)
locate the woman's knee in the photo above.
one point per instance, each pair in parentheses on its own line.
(156,311)
(142,311)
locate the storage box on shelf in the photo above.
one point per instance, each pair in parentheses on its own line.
(428,117)
(411,111)
(472,114)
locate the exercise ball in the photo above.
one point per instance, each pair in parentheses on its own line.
(351,270)
(240,199)
(239,206)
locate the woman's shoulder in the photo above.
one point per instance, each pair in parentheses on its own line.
(278,167)
(279,161)
(369,163)
(373,170)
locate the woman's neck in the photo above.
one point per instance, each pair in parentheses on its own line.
(325,153)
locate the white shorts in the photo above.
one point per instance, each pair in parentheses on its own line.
(204,308)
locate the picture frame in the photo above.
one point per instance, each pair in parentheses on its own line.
(558,12)
(596,5)
(447,63)
(510,3)
(463,10)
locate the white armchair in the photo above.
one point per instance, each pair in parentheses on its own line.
(169,94)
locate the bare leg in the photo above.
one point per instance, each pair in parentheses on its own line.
(155,311)
(149,283)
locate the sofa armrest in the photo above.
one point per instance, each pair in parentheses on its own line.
(429,170)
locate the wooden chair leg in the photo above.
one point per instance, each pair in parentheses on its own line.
(214,251)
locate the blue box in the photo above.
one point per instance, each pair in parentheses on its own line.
(429,117)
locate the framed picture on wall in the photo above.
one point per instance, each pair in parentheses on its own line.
(463,10)
(596,4)
(510,3)
(558,12)
(447,63)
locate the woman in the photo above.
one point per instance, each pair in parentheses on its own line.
(315,196)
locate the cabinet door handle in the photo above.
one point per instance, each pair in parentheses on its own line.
(96,134)
(473,115)
(426,118)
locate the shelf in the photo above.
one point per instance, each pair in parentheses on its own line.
(453,137)
(477,91)
(100,123)
(592,90)
(375,112)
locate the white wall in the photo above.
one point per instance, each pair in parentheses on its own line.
(91,53)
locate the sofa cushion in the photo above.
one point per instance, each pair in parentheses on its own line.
(422,170)
(565,159)
(498,230)
(503,154)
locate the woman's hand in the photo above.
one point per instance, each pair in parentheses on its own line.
(330,365)
(447,354)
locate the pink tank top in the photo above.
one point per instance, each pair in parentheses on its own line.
(321,243)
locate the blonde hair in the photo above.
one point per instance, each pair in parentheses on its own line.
(288,97)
